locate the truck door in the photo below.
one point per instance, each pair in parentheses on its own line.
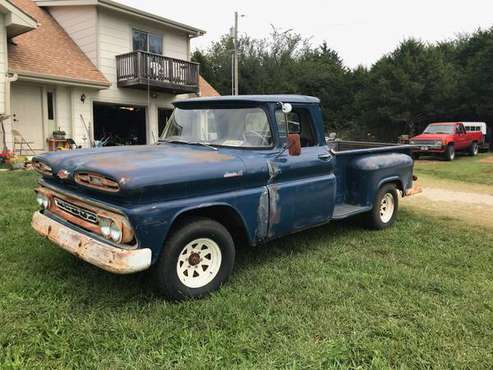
(301,188)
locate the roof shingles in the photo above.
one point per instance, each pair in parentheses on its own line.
(49,51)
(205,88)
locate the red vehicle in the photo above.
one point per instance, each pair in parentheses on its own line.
(446,138)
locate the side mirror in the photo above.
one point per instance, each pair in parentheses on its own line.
(286,108)
(294,144)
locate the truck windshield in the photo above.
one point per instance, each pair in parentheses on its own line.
(439,129)
(235,127)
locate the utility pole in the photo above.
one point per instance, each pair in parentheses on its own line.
(236,55)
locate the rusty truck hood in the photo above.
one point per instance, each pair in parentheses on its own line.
(181,168)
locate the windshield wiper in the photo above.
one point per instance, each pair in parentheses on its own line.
(207,145)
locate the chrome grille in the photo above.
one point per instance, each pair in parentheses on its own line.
(424,142)
(76,211)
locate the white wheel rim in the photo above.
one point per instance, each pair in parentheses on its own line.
(199,262)
(475,149)
(452,153)
(386,208)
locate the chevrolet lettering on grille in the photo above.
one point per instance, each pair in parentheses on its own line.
(76,211)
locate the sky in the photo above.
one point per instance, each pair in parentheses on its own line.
(361,31)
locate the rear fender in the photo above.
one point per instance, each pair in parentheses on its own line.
(370,172)
(391,180)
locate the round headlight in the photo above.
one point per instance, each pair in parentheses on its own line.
(116,233)
(39,199)
(105,226)
(43,200)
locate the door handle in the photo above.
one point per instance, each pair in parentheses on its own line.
(324,156)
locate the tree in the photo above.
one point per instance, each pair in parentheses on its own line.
(408,87)
(284,63)
(403,91)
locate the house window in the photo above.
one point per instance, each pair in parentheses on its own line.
(145,41)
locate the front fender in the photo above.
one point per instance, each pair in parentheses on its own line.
(153,222)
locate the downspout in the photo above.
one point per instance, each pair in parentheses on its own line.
(9,78)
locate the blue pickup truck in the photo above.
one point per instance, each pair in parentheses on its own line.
(225,171)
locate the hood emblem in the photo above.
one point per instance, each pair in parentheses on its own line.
(63,174)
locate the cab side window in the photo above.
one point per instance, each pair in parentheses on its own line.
(299,122)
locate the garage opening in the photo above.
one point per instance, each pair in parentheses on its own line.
(163,116)
(119,124)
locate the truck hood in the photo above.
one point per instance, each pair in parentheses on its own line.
(180,168)
(430,137)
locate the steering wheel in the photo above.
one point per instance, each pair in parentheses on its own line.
(255,133)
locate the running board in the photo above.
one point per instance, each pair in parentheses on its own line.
(345,210)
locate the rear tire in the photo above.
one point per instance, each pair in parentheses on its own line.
(196,260)
(474,149)
(450,153)
(385,207)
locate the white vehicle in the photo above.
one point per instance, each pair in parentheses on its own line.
(475,127)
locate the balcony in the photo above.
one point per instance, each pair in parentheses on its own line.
(141,70)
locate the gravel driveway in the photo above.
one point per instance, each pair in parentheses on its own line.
(467,202)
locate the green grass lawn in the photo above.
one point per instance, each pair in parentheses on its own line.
(417,295)
(463,168)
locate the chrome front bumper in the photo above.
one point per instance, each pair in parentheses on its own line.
(105,256)
(427,147)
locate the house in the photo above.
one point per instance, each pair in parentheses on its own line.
(92,68)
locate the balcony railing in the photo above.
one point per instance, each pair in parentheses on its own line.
(143,70)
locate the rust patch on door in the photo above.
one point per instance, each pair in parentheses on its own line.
(263,215)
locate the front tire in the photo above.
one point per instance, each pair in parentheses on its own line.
(196,260)
(474,149)
(450,153)
(385,207)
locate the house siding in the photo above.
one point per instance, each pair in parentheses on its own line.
(102,34)
(63,109)
(115,38)
(80,22)
(3,63)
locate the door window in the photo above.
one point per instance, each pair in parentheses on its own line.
(299,122)
(50,105)
(50,112)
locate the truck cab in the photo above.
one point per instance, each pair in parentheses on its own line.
(225,171)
